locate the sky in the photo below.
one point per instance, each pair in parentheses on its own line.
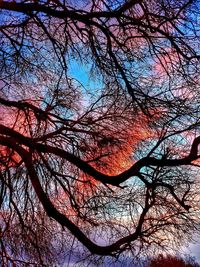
(194,250)
(80,74)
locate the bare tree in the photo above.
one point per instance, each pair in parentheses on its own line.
(99,131)
(175,261)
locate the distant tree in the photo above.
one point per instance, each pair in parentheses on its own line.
(169,260)
(99,128)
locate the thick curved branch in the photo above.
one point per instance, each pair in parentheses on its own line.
(61,218)
(28,8)
(88,169)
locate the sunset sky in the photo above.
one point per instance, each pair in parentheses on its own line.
(99,129)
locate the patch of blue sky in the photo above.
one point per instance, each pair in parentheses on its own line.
(89,85)
(81,72)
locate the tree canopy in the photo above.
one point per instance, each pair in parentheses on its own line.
(99,128)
